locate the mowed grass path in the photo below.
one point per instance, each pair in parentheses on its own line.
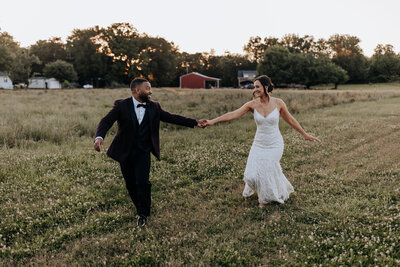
(62,203)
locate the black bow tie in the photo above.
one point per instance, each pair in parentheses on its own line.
(141,105)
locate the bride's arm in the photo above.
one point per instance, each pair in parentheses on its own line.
(286,116)
(233,115)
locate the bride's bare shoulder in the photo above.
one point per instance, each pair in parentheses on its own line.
(251,104)
(279,102)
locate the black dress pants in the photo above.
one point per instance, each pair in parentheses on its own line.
(136,170)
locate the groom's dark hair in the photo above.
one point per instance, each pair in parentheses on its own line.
(136,82)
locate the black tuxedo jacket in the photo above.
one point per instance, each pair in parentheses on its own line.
(124,113)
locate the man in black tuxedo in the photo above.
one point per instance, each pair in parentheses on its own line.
(138,134)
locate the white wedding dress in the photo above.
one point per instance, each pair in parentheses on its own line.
(263,172)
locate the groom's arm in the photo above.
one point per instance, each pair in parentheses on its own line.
(176,119)
(107,122)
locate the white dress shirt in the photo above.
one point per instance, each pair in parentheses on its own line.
(140,111)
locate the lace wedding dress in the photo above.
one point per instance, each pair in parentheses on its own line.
(263,173)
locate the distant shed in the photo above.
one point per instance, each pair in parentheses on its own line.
(43,83)
(197,80)
(5,81)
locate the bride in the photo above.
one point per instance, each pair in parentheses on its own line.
(263,173)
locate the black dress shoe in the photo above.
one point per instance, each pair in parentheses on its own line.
(141,220)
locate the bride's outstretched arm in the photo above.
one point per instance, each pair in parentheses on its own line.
(233,115)
(286,116)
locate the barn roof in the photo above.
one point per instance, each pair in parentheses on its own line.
(201,75)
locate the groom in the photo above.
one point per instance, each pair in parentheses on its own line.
(138,134)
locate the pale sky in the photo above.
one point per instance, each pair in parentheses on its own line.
(199,26)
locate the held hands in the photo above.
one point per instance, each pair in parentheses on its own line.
(98,145)
(203,123)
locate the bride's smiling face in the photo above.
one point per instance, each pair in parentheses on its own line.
(258,89)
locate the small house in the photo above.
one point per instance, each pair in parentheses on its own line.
(197,80)
(5,81)
(246,78)
(43,83)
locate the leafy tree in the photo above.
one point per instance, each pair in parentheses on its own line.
(91,65)
(256,48)
(158,61)
(15,60)
(121,43)
(5,58)
(297,44)
(323,70)
(48,51)
(301,68)
(60,70)
(230,64)
(21,66)
(8,49)
(192,62)
(347,54)
(276,64)
(385,64)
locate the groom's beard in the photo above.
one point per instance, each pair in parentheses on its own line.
(144,98)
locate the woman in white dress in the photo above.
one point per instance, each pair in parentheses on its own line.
(263,173)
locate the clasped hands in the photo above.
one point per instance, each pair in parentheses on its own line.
(203,123)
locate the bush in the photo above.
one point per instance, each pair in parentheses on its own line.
(66,85)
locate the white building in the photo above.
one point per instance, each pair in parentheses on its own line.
(44,83)
(246,78)
(5,81)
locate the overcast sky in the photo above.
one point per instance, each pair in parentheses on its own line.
(199,26)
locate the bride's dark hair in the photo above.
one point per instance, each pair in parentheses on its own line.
(265,82)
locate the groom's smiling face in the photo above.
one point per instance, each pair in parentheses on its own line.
(143,91)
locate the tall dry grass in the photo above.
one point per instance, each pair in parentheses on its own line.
(55,115)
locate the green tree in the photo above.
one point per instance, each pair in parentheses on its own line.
(5,58)
(60,70)
(346,53)
(157,61)
(8,49)
(15,60)
(256,47)
(91,65)
(276,64)
(48,51)
(301,68)
(230,64)
(297,44)
(187,63)
(21,66)
(385,64)
(121,43)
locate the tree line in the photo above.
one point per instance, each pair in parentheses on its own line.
(111,56)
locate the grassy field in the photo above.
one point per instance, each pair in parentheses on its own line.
(61,203)
(371,86)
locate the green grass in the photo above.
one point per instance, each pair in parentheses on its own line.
(62,203)
(370,86)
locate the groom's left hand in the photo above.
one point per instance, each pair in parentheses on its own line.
(202,123)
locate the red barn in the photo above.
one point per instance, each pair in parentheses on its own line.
(197,80)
